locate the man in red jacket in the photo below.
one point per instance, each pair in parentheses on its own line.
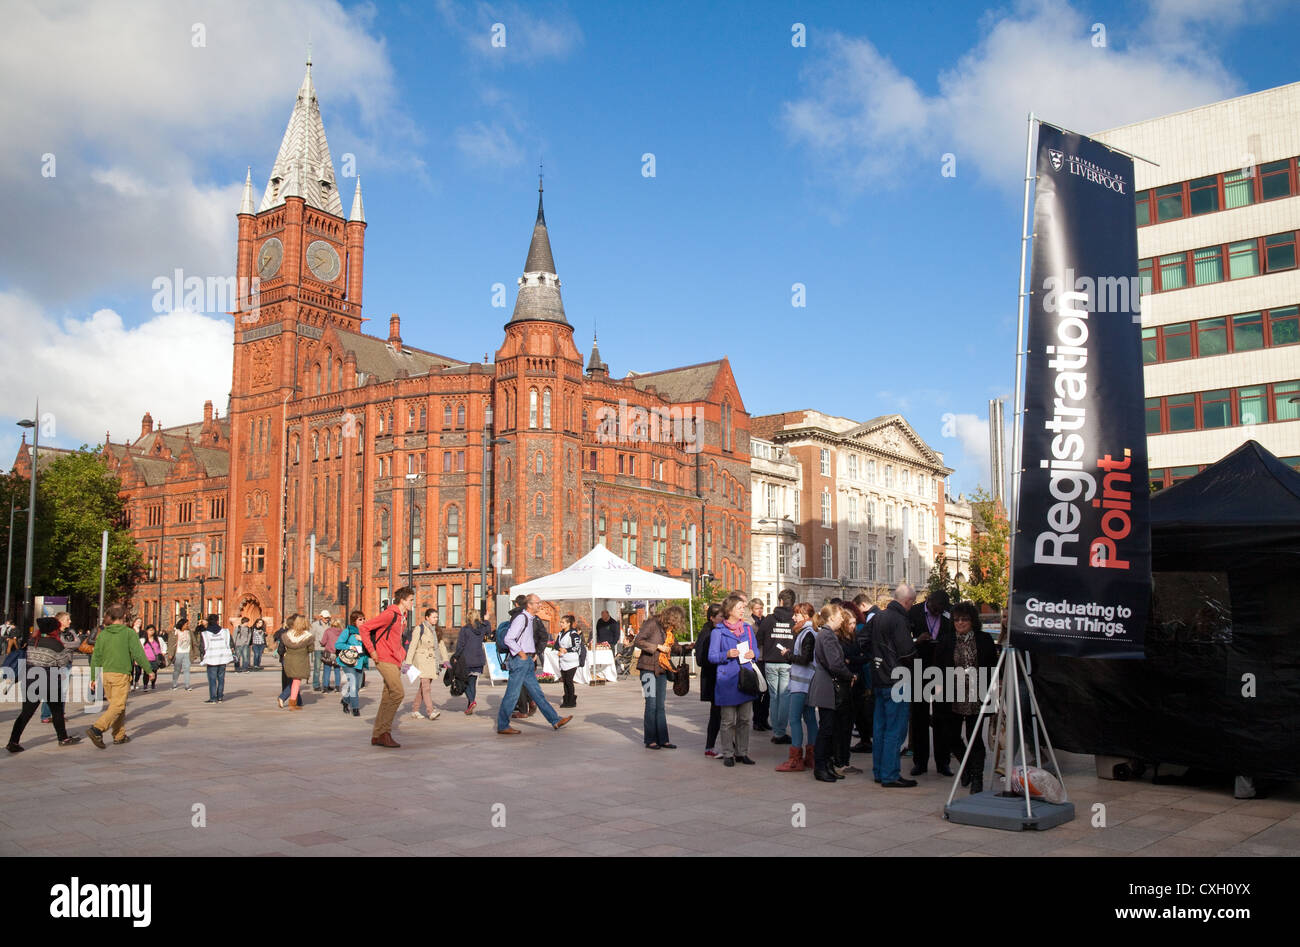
(382,638)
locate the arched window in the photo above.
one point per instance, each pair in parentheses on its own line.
(381,422)
(316,376)
(507,562)
(417,531)
(338,374)
(315,446)
(532,407)
(453,536)
(508,468)
(460,415)
(546,409)
(584,419)
(541,464)
(297,449)
(539,506)
(390,420)
(424,417)
(568,502)
(338,442)
(537,547)
(508,511)
(383,521)
(410,418)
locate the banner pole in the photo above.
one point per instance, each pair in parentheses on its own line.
(1020,356)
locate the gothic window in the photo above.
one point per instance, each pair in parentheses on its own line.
(546,409)
(460,415)
(338,442)
(453,536)
(297,450)
(509,509)
(532,407)
(568,502)
(539,506)
(508,468)
(446,416)
(541,464)
(410,419)
(424,417)
(537,547)
(316,376)
(315,446)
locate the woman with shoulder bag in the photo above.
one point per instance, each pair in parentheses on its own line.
(709,677)
(349,648)
(469,648)
(572,649)
(731,640)
(802,715)
(153,650)
(657,641)
(426,654)
(830,677)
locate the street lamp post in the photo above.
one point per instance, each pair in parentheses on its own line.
(488,443)
(28,617)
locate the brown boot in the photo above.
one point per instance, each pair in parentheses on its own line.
(808,761)
(794,764)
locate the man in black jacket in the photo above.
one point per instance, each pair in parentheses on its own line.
(929,622)
(762,701)
(891,647)
(775,635)
(607,630)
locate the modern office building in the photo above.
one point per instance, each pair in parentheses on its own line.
(1217,219)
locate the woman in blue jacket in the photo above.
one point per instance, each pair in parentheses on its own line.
(351,638)
(469,648)
(731,637)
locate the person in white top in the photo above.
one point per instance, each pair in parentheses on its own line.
(218,651)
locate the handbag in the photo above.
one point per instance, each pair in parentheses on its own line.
(681,679)
(349,657)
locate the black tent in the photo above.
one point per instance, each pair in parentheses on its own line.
(1220,686)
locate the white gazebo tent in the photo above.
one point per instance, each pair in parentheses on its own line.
(602,575)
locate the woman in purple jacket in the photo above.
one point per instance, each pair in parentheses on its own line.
(731,638)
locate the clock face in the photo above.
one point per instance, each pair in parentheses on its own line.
(323,261)
(268,258)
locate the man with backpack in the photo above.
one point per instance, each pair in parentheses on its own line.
(382,638)
(521,645)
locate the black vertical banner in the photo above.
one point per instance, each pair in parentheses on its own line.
(1082,570)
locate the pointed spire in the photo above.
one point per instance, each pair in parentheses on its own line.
(246,205)
(303,167)
(358,212)
(594,364)
(539,287)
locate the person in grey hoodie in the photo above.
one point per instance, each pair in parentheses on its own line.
(243,637)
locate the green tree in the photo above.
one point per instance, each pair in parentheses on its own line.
(13,493)
(989,565)
(76,500)
(940,581)
(706,593)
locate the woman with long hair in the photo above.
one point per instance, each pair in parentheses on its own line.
(153,650)
(802,716)
(731,645)
(297,643)
(469,648)
(137,625)
(427,655)
(709,676)
(571,647)
(657,640)
(831,674)
(855,659)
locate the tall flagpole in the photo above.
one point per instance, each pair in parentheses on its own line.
(1018,386)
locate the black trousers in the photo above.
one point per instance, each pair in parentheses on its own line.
(864,707)
(824,748)
(29,710)
(843,733)
(715,724)
(570,696)
(919,735)
(948,738)
(762,703)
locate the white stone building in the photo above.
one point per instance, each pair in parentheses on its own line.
(774,478)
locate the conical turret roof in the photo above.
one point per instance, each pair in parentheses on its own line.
(539,287)
(303,167)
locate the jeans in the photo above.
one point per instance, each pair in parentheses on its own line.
(523,677)
(315,670)
(778,687)
(331,670)
(471,687)
(216,681)
(241,657)
(351,687)
(655,722)
(737,722)
(803,720)
(824,748)
(182,661)
(292,692)
(257,654)
(888,728)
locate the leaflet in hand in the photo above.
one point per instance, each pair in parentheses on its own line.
(743,653)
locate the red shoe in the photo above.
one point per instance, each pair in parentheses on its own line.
(711,753)
(470,709)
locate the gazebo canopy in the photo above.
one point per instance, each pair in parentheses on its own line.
(601,574)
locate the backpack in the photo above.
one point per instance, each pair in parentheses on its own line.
(376,637)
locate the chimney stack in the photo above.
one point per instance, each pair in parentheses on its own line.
(395,330)
(207,412)
(146,424)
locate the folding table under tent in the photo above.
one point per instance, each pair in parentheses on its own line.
(602,575)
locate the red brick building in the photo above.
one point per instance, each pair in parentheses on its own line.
(377,448)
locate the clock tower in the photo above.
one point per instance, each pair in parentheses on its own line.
(299,268)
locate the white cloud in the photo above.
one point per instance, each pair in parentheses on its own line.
(529,36)
(97,373)
(972,435)
(490,145)
(150,134)
(867,119)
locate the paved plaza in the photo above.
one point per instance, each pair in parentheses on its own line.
(246,778)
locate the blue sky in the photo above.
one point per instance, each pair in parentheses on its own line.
(774,165)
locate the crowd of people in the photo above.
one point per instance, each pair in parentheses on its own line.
(810,676)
